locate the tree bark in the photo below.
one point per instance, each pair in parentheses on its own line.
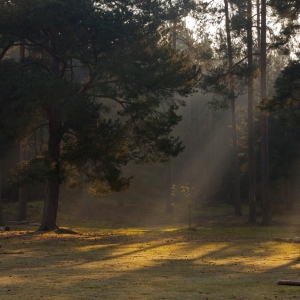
(1,213)
(251,150)
(266,204)
(170,176)
(258,23)
(288,282)
(50,207)
(22,203)
(51,200)
(236,168)
(53,182)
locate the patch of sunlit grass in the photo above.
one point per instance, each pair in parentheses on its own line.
(213,262)
(80,267)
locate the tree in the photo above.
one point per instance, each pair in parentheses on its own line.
(82,56)
(267,215)
(287,10)
(177,12)
(1,213)
(284,125)
(232,98)
(251,149)
(222,80)
(22,204)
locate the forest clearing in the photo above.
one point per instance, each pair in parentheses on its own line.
(224,259)
(142,157)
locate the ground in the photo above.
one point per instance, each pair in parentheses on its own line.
(224,259)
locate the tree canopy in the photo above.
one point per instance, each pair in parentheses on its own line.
(81,57)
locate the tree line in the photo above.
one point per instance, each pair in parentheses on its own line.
(64,63)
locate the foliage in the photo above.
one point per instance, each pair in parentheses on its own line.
(105,50)
(187,197)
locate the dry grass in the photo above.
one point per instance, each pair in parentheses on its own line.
(210,263)
(223,259)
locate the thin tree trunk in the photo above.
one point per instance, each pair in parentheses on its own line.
(258,23)
(266,204)
(251,150)
(22,203)
(55,136)
(170,175)
(237,193)
(191,146)
(1,212)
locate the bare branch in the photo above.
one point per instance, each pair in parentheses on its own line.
(112,98)
(5,49)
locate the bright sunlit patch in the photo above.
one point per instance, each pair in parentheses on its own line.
(165,263)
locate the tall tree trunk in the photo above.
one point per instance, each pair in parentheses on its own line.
(55,136)
(170,175)
(258,24)
(251,150)
(1,212)
(266,204)
(22,203)
(237,193)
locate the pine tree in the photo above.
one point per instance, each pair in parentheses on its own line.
(267,215)
(251,150)
(82,56)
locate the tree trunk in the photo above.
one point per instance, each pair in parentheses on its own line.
(251,150)
(266,204)
(170,179)
(169,202)
(258,23)
(51,200)
(1,213)
(22,204)
(50,207)
(288,282)
(53,182)
(237,193)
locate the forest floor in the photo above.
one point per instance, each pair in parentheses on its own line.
(222,258)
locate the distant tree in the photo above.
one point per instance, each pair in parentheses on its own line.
(251,149)
(177,12)
(1,213)
(224,80)
(266,203)
(232,98)
(84,55)
(284,128)
(22,203)
(287,12)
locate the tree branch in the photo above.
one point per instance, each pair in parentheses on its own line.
(112,98)
(3,52)
(87,85)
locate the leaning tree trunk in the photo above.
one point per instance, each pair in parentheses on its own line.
(237,193)
(266,215)
(55,136)
(251,150)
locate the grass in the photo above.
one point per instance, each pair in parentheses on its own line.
(224,259)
